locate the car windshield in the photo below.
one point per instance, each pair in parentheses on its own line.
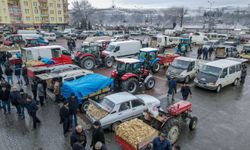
(111,48)
(180,64)
(210,70)
(142,55)
(107,104)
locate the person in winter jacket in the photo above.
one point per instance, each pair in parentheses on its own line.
(97,134)
(32,109)
(73,106)
(77,134)
(71,44)
(40,93)
(25,75)
(14,98)
(22,102)
(185,91)
(34,89)
(100,146)
(205,53)
(79,144)
(161,143)
(199,52)
(210,52)
(44,83)
(65,117)
(172,89)
(1,73)
(57,90)
(4,94)
(9,74)
(18,70)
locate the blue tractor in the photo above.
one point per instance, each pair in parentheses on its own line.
(148,56)
(184,46)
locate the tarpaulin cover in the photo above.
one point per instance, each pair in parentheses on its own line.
(85,86)
(47,61)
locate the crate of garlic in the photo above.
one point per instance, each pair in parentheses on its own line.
(96,112)
(136,133)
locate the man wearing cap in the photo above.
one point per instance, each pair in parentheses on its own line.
(64,117)
(76,134)
(97,134)
(161,143)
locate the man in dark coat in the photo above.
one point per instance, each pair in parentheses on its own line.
(23,102)
(1,73)
(4,94)
(25,75)
(205,53)
(199,52)
(34,89)
(71,44)
(100,146)
(210,52)
(65,117)
(9,74)
(243,74)
(73,106)
(172,89)
(97,134)
(18,70)
(185,91)
(14,98)
(77,134)
(32,109)
(79,144)
(161,143)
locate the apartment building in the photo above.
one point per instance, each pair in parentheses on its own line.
(34,12)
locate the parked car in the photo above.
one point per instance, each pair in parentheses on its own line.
(82,36)
(14,39)
(59,34)
(120,107)
(223,51)
(71,35)
(218,74)
(49,36)
(211,43)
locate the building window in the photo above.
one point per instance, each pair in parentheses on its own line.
(26,3)
(60,19)
(27,11)
(36,11)
(37,18)
(58,5)
(34,3)
(27,18)
(52,18)
(59,12)
(51,5)
(51,11)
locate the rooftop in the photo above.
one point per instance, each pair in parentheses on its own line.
(121,97)
(128,60)
(185,58)
(222,63)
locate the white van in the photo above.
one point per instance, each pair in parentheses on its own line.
(198,38)
(163,41)
(27,32)
(217,74)
(49,36)
(183,69)
(28,36)
(33,53)
(122,48)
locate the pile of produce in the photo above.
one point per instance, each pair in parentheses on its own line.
(96,112)
(7,48)
(135,131)
(34,63)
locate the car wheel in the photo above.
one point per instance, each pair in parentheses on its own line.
(85,106)
(150,83)
(218,89)
(187,79)
(88,63)
(193,123)
(115,125)
(236,81)
(109,61)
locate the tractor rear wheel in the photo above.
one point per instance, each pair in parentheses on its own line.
(172,130)
(109,61)
(88,63)
(193,123)
(131,85)
(150,83)
(156,67)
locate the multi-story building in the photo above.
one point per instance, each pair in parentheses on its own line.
(34,12)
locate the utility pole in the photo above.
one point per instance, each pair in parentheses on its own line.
(210,19)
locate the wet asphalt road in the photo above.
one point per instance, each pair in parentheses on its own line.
(223,121)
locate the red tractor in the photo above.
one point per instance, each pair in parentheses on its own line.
(91,55)
(130,74)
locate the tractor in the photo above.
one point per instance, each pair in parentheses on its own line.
(91,55)
(153,61)
(184,46)
(130,74)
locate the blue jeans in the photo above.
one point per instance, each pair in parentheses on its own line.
(73,120)
(6,106)
(10,79)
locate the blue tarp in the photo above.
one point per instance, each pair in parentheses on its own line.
(85,85)
(47,61)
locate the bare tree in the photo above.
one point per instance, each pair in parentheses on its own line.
(80,13)
(174,14)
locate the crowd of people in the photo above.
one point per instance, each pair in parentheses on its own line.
(205,53)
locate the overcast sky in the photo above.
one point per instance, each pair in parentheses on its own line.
(166,3)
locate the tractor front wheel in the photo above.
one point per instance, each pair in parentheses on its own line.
(109,61)
(88,63)
(193,123)
(150,83)
(131,85)
(172,130)
(156,67)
